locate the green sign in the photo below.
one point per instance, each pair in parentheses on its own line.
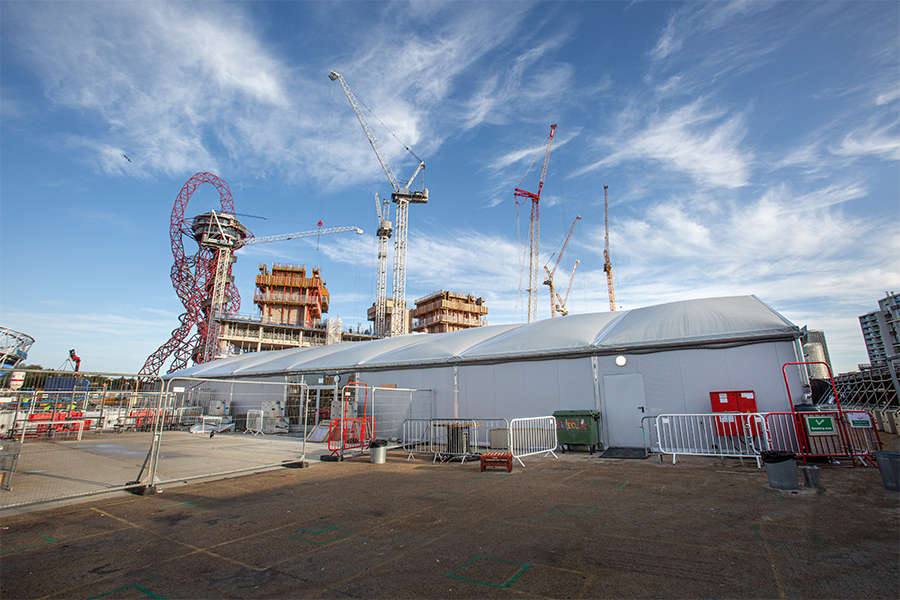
(859,420)
(820,425)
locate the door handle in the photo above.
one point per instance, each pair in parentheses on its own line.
(642,408)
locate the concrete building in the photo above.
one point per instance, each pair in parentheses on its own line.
(443,312)
(291,306)
(880,330)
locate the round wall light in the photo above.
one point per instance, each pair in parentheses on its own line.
(621,360)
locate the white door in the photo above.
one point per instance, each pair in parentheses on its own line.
(624,405)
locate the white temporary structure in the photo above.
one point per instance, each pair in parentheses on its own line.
(663,359)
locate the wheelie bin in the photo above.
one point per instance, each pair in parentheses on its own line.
(577,427)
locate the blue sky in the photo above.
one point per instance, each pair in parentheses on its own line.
(749,148)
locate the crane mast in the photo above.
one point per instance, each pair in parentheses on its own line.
(563,301)
(534,232)
(549,280)
(385,230)
(402,195)
(607,266)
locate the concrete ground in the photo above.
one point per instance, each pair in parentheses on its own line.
(574,527)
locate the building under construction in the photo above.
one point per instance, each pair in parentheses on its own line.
(291,306)
(443,311)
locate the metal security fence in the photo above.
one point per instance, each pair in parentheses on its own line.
(532,435)
(821,434)
(216,446)
(391,407)
(67,434)
(448,438)
(736,435)
(813,434)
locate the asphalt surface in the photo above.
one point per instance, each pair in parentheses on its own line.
(574,527)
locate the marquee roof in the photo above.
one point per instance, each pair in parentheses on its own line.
(710,322)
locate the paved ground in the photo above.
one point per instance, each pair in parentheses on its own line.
(577,527)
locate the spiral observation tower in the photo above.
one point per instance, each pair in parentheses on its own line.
(202,281)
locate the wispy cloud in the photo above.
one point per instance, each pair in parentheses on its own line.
(782,245)
(702,143)
(179,88)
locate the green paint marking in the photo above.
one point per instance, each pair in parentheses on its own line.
(612,485)
(47,540)
(193,503)
(450,496)
(812,533)
(564,509)
(506,584)
(305,534)
(147,593)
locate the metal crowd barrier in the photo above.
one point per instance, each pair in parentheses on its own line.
(736,435)
(350,434)
(464,438)
(850,434)
(254,422)
(448,438)
(532,435)
(416,436)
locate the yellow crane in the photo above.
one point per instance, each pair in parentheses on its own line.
(549,279)
(607,266)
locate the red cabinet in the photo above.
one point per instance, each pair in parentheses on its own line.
(743,401)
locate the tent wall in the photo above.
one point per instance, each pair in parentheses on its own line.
(677,381)
(437,379)
(526,388)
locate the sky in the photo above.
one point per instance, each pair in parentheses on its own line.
(748,148)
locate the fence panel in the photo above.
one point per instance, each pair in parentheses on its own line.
(532,435)
(454,438)
(390,407)
(720,434)
(66,434)
(235,406)
(834,434)
(416,436)
(491,435)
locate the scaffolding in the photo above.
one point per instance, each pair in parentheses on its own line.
(443,311)
(286,296)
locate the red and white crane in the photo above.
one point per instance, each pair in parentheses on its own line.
(534,232)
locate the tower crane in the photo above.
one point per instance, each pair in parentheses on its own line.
(561,306)
(226,234)
(385,230)
(607,266)
(549,279)
(301,234)
(534,231)
(403,195)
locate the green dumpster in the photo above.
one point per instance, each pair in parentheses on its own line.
(577,427)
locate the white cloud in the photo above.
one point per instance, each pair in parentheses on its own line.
(701,143)
(882,142)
